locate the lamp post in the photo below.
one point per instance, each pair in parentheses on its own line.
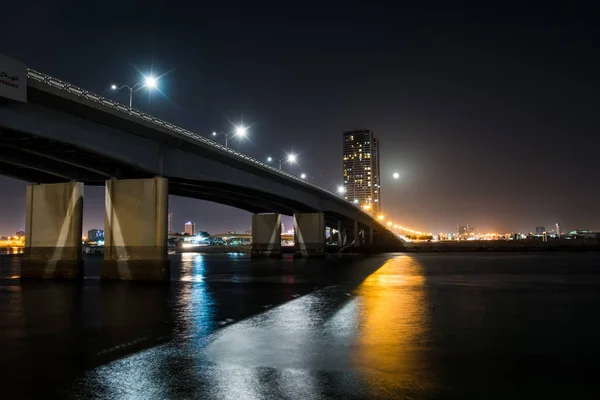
(239,131)
(291,158)
(307,177)
(149,81)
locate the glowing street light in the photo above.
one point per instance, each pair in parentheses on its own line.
(341,190)
(302,176)
(390,223)
(396,175)
(291,158)
(239,131)
(149,81)
(380,217)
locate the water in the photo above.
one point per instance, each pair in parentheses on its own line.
(397,326)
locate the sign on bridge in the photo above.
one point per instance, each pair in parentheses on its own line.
(13,79)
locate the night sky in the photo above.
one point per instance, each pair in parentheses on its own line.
(488,112)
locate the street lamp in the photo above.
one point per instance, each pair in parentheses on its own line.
(341,190)
(306,176)
(149,81)
(396,175)
(239,131)
(291,158)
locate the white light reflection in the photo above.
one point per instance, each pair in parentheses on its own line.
(150,374)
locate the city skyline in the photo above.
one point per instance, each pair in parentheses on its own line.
(495,128)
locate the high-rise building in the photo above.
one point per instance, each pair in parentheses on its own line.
(539,230)
(558,230)
(190,228)
(361,169)
(95,235)
(170,224)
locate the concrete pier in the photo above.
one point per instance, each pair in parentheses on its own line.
(266,235)
(53,221)
(135,223)
(309,234)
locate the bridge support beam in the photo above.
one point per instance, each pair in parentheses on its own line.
(135,223)
(309,234)
(371,235)
(53,231)
(356,235)
(266,235)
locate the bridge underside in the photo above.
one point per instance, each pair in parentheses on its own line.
(37,159)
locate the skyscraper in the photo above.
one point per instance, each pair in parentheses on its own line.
(361,169)
(190,228)
(170,224)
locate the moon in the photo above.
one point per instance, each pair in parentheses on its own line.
(396,175)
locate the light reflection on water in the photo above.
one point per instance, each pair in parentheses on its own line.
(393,322)
(11,250)
(352,328)
(370,335)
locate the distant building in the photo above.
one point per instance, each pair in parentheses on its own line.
(540,230)
(95,235)
(557,230)
(361,169)
(465,231)
(190,228)
(582,234)
(20,234)
(170,223)
(4,238)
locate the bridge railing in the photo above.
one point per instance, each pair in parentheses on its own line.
(103,101)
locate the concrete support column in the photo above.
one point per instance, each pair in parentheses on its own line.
(340,240)
(53,231)
(370,235)
(266,235)
(309,234)
(135,223)
(356,237)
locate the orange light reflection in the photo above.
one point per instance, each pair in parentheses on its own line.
(393,323)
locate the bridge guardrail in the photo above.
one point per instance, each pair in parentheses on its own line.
(57,83)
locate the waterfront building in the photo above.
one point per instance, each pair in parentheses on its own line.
(361,173)
(190,228)
(465,231)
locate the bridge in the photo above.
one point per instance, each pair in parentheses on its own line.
(59,137)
